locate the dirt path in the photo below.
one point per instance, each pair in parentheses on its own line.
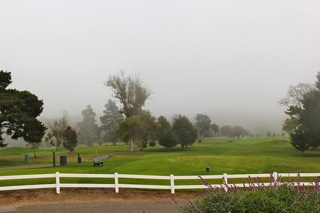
(139,206)
(98,200)
(81,194)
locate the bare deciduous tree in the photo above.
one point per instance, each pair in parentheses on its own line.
(56,130)
(130,91)
(132,94)
(295,94)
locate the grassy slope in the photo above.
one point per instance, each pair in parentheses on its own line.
(256,155)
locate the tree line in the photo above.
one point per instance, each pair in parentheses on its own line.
(133,124)
(128,122)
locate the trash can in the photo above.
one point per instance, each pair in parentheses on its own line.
(79,158)
(63,160)
(26,158)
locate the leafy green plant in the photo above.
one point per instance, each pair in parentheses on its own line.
(277,197)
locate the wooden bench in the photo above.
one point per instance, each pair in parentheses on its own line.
(97,163)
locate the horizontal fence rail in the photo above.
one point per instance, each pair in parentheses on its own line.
(172,186)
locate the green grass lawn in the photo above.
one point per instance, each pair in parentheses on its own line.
(246,156)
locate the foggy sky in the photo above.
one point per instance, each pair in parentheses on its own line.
(230,59)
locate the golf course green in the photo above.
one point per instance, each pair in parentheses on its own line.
(245,156)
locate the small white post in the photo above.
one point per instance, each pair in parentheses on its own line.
(57,182)
(275,177)
(225,178)
(225,181)
(172,184)
(116,182)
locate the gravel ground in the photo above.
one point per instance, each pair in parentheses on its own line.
(97,207)
(91,200)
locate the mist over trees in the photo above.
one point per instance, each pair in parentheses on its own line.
(60,133)
(214,129)
(18,113)
(149,127)
(185,132)
(295,95)
(110,122)
(130,91)
(165,134)
(135,125)
(130,122)
(70,139)
(56,130)
(303,126)
(239,131)
(226,131)
(132,95)
(202,124)
(88,128)
(235,131)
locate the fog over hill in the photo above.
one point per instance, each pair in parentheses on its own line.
(255,123)
(232,60)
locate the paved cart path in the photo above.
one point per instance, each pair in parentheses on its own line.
(105,156)
(27,166)
(31,166)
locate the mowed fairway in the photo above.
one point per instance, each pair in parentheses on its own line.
(246,156)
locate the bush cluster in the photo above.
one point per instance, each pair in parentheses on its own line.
(278,197)
(152,143)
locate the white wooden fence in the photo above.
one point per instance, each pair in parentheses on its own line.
(171,179)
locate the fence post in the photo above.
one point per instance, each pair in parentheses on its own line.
(172,184)
(275,177)
(225,181)
(225,178)
(57,182)
(116,182)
